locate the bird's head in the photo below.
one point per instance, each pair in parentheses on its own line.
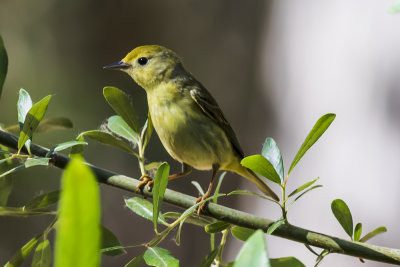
(149,65)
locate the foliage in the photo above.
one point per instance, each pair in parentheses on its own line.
(80,238)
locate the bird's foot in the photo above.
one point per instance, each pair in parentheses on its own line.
(146,181)
(201,207)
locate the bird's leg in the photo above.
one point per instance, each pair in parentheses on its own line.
(147,180)
(186,169)
(215,168)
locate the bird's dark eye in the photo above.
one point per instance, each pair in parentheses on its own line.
(143,60)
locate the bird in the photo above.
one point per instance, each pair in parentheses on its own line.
(186,117)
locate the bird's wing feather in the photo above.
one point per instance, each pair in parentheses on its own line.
(210,107)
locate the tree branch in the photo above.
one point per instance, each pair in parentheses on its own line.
(236,217)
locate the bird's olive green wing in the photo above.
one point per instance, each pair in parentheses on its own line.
(210,107)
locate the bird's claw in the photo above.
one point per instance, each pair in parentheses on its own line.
(201,207)
(146,181)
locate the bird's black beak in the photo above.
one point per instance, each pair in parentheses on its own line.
(117,66)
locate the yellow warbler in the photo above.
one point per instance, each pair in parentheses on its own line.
(188,120)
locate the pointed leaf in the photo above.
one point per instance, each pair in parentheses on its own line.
(245,192)
(192,219)
(52,124)
(78,232)
(30,162)
(136,261)
(24,104)
(343,215)
(22,166)
(159,257)
(160,185)
(373,233)
(262,166)
(253,252)
(242,233)
(286,262)
(121,104)
(143,208)
(108,139)
(319,128)
(32,120)
(119,127)
(272,153)
(42,256)
(305,192)
(108,239)
(216,227)
(216,192)
(43,200)
(152,165)
(198,187)
(6,185)
(304,186)
(147,131)
(65,145)
(3,64)
(272,227)
(357,231)
(208,260)
(20,256)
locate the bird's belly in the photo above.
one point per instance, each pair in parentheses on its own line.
(190,136)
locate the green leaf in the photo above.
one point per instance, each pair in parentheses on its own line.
(32,120)
(192,219)
(42,256)
(304,186)
(373,233)
(245,192)
(6,185)
(198,187)
(216,192)
(118,126)
(357,231)
(135,262)
(242,233)
(121,104)
(110,240)
(22,166)
(152,165)
(31,162)
(272,227)
(3,64)
(64,145)
(305,192)
(24,104)
(22,212)
(78,232)
(43,200)
(262,166)
(147,131)
(159,257)
(216,227)
(20,256)
(160,185)
(395,7)
(286,262)
(143,208)
(319,128)
(343,215)
(272,153)
(108,139)
(254,252)
(208,260)
(52,124)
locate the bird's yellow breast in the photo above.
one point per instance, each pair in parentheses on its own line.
(186,132)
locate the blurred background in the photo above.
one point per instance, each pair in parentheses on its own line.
(274,67)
